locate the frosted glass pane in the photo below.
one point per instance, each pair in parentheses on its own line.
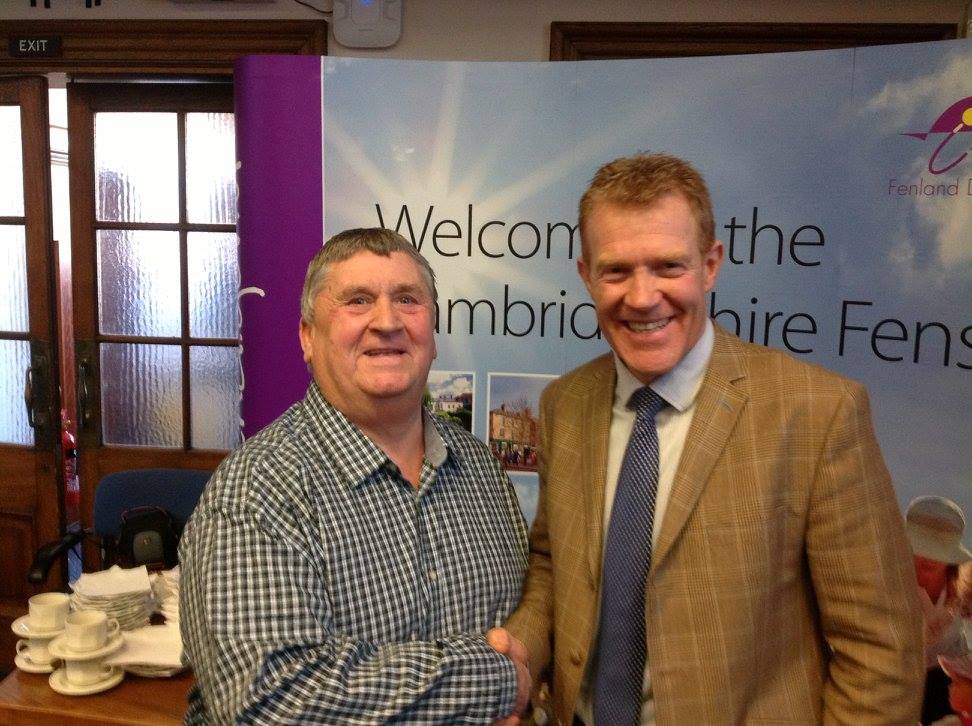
(136,167)
(138,283)
(141,394)
(214,281)
(13,279)
(210,168)
(11,163)
(14,359)
(214,390)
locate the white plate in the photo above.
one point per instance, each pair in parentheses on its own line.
(60,683)
(60,649)
(24,663)
(22,628)
(147,671)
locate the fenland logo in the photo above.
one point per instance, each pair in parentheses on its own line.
(955,120)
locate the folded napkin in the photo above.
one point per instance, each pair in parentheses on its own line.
(153,645)
(112,582)
(165,584)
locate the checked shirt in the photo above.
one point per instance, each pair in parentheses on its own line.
(319,587)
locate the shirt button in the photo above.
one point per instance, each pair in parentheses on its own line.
(575,657)
(433,574)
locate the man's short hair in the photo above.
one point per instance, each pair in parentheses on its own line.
(643,179)
(346,244)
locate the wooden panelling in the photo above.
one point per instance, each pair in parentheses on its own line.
(159,46)
(604,41)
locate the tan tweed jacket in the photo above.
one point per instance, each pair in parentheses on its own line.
(782,589)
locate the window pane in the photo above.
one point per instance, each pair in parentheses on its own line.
(210,168)
(13,279)
(215,396)
(214,281)
(138,283)
(14,359)
(141,394)
(136,167)
(11,163)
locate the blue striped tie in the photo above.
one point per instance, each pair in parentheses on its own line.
(627,557)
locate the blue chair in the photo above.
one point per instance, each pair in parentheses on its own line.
(173,491)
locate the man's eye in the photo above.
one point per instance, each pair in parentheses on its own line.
(407,299)
(358,300)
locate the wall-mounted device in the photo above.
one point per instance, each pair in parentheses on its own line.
(367,23)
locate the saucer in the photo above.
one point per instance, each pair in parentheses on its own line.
(21,627)
(60,683)
(60,649)
(24,663)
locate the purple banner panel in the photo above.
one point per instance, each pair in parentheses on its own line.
(278,148)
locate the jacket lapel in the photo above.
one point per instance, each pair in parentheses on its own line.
(717,409)
(596,418)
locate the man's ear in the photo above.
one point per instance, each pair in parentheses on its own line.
(584,271)
(711,263)
(306,334)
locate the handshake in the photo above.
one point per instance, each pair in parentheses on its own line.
(502,642)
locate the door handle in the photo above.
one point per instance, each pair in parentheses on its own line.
(39,397)
(29,396)
(84,394)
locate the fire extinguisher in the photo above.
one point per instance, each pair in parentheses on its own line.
(72,485)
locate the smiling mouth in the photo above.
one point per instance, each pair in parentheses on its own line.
(384,352)
(640,327)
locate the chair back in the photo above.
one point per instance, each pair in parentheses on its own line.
(176,491)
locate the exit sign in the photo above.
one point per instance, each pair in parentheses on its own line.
(48,46)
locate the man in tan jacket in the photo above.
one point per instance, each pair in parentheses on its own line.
(778,585)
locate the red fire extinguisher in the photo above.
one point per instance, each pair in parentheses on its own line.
(72,485)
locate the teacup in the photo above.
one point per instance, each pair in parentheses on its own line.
(86,672)
(48,610)
(87,630)
(37,651)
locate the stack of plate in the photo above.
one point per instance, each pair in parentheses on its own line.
(150,671)
(131,610)
(125,595)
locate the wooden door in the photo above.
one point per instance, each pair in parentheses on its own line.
(155,270)
(30,472)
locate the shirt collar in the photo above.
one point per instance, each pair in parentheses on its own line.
(354,455)
(436,449)
(681,384)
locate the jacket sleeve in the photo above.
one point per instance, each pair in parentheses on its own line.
(863,577)
(532,621)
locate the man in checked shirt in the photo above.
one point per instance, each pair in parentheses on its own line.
(349,563)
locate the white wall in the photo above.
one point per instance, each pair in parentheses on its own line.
(504,29)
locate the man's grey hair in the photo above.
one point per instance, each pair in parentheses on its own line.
(343,246)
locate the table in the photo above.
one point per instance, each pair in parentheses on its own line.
(26,698)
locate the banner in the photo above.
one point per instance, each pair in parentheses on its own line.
(842,187)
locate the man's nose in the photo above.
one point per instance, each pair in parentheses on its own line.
(385,316)
(642,290)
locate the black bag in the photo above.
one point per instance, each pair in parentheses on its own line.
(149,537)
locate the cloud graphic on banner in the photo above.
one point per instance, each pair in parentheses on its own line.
(951,218)
(903,102)
(944,218)
(449,384)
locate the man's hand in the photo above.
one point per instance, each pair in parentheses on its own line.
(502,642)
